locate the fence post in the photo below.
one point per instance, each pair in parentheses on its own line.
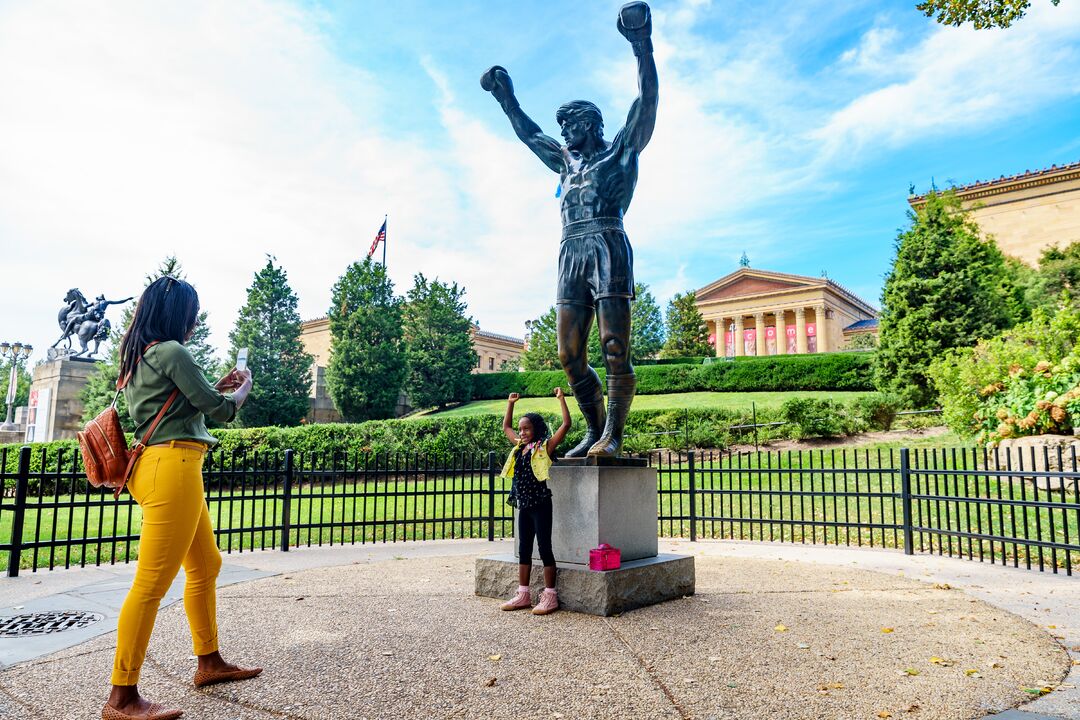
(286,510)
(22,483)
(693,498)
(905,494)
(491,495)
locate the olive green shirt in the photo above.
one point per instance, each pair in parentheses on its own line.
(165,367)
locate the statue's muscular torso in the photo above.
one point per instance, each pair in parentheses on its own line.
(601,186)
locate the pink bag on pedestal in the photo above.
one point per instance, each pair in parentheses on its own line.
(605,557)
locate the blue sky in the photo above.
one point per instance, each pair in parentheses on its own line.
(225,131)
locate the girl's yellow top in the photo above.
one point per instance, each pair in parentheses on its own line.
(540,460)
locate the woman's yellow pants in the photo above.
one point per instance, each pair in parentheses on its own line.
(176,531)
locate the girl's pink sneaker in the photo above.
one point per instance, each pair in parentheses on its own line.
(549,603)
(520,601)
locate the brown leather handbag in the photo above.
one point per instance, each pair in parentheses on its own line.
(106,458)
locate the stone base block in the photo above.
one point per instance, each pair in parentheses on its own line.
(636,584)
(593,504)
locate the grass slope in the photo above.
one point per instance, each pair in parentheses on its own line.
(728,401)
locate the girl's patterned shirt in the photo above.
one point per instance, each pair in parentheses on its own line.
(526,489)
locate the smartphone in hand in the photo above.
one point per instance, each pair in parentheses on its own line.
(241,359)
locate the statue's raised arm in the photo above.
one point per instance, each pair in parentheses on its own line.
(497,81)
(635,23)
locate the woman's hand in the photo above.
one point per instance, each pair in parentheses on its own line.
(514,397)
(230,382)
(241,393)
(559,393)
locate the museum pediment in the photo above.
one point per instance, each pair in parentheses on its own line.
(743,284)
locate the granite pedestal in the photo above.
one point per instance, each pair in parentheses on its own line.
(599,501)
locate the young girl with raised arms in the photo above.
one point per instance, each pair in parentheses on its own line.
(527,465)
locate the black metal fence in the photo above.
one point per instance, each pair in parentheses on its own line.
(1017,508)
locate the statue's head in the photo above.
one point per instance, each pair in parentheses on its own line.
(100,298)
(580,120)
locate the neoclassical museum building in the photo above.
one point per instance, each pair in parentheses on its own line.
(759,312)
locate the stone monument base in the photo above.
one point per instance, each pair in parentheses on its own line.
(636,584)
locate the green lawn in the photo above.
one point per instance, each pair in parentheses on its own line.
(722,400)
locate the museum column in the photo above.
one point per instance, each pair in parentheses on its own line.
(737,337)
(761,346)
(800,330)
(781,333)
(718,334)
(822,328)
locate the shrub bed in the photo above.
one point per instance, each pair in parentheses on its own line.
(826,371)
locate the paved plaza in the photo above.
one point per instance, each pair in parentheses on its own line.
(394,631)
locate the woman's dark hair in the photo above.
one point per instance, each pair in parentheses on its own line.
(540,428)
(167,310)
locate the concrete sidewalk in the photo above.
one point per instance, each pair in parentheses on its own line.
(393,631)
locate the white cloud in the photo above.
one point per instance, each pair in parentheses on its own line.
(953,80)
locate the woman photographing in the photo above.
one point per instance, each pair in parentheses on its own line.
(168,485)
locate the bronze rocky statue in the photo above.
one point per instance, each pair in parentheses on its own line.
(596,263)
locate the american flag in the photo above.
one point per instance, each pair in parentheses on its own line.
(380,237)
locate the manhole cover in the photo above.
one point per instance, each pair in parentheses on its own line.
(44,623)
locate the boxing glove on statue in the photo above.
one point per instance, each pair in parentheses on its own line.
(497,82)
(635,23)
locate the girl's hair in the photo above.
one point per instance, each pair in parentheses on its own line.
(168,310)
(540,428)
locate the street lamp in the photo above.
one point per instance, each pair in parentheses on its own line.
(17,352)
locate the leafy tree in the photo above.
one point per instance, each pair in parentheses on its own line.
(687,333)
(983,13)
(269,325)
(864,341)
(101,386)
(1057,276)
(542,351)
(646,335)
(438,342)
(947,288)
(367,352)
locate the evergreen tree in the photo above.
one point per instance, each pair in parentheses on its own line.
(948,287)
(100,387)
(646,324)
(542,352)
(438,342)
(269,326)
(367,353)
(687,333)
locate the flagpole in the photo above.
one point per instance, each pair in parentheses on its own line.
(385,218)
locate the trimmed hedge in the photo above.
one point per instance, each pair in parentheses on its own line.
(825,371)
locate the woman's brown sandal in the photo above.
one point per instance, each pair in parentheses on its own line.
(213,677)
(154,712)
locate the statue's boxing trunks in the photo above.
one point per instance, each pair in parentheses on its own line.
(595,262)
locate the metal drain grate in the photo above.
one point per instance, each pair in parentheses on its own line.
(45,623)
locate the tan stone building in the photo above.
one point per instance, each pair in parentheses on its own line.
(758,312)
(1026,213)
(491,349)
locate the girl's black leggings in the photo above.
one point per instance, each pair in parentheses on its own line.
(535,522)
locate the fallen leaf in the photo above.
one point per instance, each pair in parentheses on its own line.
(942,586)
(494,657)
(489,682)
(886,630)
(941,661)
(911,671)
(804,646)
(780,628)
(1052,627)
(997,666)
(831,686)
(973,673)
(884,714)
